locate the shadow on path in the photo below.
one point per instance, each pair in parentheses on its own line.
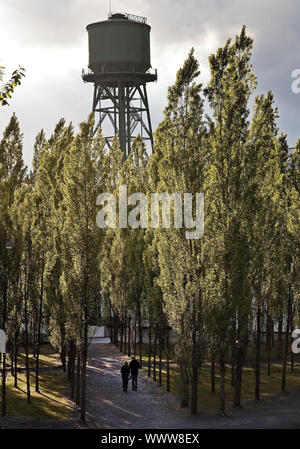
(152,408)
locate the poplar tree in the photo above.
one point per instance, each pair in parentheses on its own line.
(112,261)
(226,246)
(12,173)
(81,236)
(48,163)
(178,167)
(134,175)
(260,169)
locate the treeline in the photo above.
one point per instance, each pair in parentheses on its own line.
(217,293)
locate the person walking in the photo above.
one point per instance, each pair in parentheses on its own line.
(134,369)
(125,370)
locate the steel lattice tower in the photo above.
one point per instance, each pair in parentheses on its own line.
(119,63)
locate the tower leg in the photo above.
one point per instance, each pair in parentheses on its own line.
(122,118)
(124,106)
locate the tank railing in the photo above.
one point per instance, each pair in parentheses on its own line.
(152,71)
(85,72)
(131,17)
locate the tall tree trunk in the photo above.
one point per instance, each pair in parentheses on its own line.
(222,382)
(269,342)
(4,355)
(160,359)
(269,360)
(110,326)
(39,329)
(121,339)
(129,337)
(63,351)
(11,356)
(16,358)
(141,341)
(26,349)
(135,339)
(125,334)
(3,384)
(291,330)
(279,346)
(150,350)
(233,356)
(239,372)
(116,329)
(184,385)
(78,369)
(71,367)
(272,334)
(233,364)
(111,331)
(154,355)
(83,367)
(33,335)
(168,361)
(257,355)
(194,377)
(287,339)
(213,370)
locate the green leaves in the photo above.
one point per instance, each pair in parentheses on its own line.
(7,90)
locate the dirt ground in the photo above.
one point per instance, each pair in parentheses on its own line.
(151,408)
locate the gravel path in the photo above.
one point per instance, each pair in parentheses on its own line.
(151,407)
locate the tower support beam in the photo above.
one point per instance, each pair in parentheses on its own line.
(120,101)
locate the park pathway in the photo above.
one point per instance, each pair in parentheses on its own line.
(151,408)
(109,407)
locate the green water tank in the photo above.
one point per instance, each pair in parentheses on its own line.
(119,44)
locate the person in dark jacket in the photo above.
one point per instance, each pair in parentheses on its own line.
(125,370)
(134,369)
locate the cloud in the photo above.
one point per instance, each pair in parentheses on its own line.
(50,40)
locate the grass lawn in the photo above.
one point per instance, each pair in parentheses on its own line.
(269,385)
(207,400)
(52,402)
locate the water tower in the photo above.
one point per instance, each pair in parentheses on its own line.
(119,67)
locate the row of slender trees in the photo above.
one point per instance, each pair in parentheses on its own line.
(217,293)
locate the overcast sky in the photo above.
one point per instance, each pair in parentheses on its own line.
(49,39)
